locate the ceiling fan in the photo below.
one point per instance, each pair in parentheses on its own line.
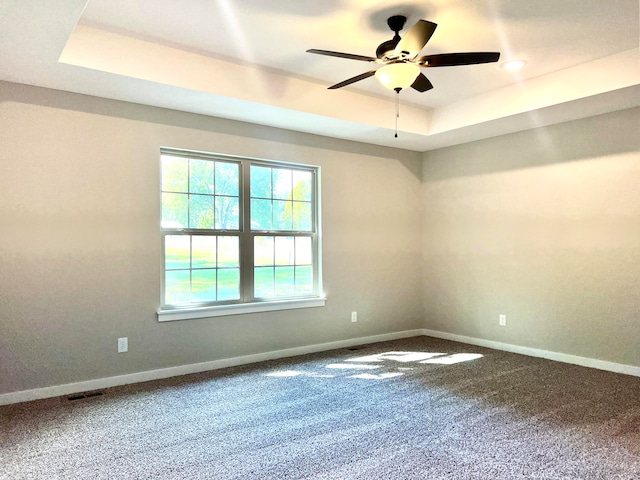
(399,57)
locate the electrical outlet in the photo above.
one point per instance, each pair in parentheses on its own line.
(503,320)
(123,345)
(354,316)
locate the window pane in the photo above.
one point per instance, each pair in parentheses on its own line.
(228,284)
(263,251)
(227,213)
(175,171)
(282,218)
(282,184)
(174,210)
(227,179)
(204,251)
(177,251)
(203,285)
(263,282)
(302,185)
(260,182)
(201,196)
(284,251)
(228,252)
(201,176)
(284,285)
(201,211)
(261,215)
(304,252)
(302,216)
(304,280)
(177,289)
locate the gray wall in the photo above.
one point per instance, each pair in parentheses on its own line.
(80,246)
(544,227)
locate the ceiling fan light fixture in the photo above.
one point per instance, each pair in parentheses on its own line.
(397,75)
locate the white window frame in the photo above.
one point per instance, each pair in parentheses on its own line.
(247,304)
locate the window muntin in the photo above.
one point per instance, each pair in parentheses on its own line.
(283,266)
(201,269)
(200,194)
(281,199)
(210,258)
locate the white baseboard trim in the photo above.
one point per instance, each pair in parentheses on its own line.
(534,352)
(100,383)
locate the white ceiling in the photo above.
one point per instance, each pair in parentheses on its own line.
(246,60)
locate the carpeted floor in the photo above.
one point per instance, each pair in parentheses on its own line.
(467,413)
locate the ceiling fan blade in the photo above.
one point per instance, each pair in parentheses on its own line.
(351,80)
(453,59)
(416,38)
(421,83)
(350,56)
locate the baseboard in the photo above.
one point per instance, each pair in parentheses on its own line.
(534,352)
(100,383)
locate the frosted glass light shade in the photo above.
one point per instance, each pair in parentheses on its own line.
(397,75)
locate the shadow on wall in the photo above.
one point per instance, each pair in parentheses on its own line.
(11,92)
(592,137)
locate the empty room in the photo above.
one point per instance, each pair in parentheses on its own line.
(344,239)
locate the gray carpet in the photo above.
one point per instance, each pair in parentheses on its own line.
(336,415)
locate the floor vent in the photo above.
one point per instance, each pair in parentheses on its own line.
(79,396)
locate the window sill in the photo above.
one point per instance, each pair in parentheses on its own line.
(238,309)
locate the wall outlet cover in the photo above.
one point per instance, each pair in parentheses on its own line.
(123,345)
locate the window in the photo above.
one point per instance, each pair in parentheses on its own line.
(238,235)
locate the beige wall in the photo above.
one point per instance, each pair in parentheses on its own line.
(544,227)
(80,246)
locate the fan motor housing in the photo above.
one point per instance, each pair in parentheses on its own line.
(396,23)
(387,47)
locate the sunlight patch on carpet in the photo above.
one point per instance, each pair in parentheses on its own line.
(377,376)
(389,360)
(396,356)
(352,366)
(455,358)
